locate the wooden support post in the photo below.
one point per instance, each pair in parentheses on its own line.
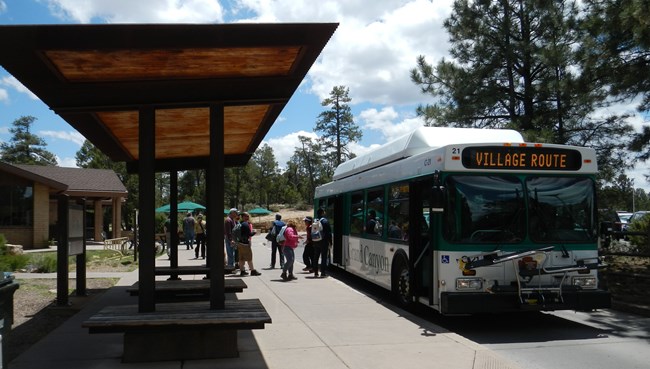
(147,161)
(215,191)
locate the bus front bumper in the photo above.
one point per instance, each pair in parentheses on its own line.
(483,302)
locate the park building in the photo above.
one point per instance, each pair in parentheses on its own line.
(29,195)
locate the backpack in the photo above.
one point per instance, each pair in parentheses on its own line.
(271,235)
(280,237)
(236,232)
(316,230)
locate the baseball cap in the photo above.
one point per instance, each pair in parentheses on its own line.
(309,219)
(234,210)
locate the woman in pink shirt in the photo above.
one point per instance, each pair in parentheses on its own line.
(290,243)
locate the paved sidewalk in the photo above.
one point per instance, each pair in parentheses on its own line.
(317,324)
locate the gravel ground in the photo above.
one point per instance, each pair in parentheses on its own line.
(36,313)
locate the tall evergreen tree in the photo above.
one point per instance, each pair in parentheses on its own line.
(264,170)
(90,156)
(515,66)
(617,53)
(24,146)
(337,124)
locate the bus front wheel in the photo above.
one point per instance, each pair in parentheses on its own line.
(401,283)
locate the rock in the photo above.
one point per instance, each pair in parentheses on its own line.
(14,249)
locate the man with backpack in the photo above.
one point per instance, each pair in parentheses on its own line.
(188,230)
(275,246)
(243,236)
(321,235)
(228,225)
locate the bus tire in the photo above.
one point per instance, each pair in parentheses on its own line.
(400,281)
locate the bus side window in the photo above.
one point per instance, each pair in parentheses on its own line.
(398,211)
(356,213)
(375,219)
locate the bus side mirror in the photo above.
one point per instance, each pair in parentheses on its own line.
(437,199)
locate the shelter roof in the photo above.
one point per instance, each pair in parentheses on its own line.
(97,77)
(72,181)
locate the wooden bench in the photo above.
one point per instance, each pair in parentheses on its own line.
(188,270)
(182,331)
(188,290)
(118,244)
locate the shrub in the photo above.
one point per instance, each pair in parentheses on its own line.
(44,262)
(641,243)
(10,263)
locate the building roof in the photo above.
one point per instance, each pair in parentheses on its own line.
(78,182)
(99,77)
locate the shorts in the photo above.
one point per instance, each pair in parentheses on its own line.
(245,252)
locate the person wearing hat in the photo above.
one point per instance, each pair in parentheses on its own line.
(199,230)
(308,252)
(244,246)
(228,225)
(275,246)
(188,230)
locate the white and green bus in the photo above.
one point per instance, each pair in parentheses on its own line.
(470,221)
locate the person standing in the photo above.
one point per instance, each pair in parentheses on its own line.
(188,230)
(275,246)
(244,246)
(290,244)
(308,252)
(321,247)
(201,238)
(228,225)
(167,229)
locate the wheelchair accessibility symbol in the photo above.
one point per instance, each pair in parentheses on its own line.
(445,259)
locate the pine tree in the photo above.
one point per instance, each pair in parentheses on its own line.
(337,124)
(515,66)
(25,147)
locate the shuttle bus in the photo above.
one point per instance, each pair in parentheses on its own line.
(470,221)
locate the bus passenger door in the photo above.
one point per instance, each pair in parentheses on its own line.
(420,238)
(337,236)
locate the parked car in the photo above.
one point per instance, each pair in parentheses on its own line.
(609,221)
(638,215)
(624,216)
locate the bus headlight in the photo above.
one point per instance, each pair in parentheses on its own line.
(469,283)
(585,282)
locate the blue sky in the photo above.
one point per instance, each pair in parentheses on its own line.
(371,53)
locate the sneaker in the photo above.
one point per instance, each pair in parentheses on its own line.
(306,269)
(243,273)
(292,277)
(323,275)
(255,272)
(284,276)
(271,266)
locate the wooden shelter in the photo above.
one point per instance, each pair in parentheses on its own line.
(167,97)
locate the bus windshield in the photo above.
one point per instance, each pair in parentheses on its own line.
(502,208)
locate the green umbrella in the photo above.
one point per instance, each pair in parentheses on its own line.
(259,211)
(181,208)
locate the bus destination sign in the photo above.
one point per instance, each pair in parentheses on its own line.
(521,158)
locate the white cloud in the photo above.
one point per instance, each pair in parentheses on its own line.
(3,6)
(72,136)
(384,121)
(12,82)
(4,95)
(284,147)
(67,162)
(374,47)
(140,11)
